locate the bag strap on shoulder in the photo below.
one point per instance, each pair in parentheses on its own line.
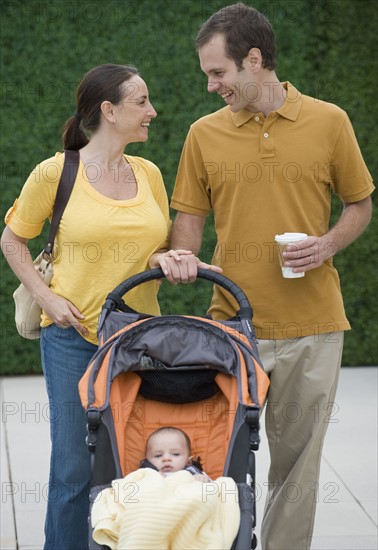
(66,183)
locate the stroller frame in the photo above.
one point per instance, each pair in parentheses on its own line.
(134,345)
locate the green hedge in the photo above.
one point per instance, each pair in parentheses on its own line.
(326,48)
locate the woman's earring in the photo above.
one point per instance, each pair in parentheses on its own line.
(114,121)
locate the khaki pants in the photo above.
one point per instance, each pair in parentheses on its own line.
(304,374)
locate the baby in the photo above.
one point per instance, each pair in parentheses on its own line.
(168,450)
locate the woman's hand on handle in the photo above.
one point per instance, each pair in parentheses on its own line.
(180,266)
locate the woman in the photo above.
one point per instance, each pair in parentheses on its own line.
(116,224)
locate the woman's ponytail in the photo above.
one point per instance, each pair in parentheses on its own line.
(73,135)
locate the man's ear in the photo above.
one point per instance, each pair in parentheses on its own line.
(254,59)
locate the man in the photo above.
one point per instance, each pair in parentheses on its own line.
(266,164)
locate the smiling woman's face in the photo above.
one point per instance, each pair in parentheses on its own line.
(134,112)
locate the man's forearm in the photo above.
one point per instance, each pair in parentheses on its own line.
(352,223)
(187,232)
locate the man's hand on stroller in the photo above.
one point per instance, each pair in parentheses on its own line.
(180,266)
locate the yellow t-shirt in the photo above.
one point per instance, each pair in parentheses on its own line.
(100,241)
(263,176)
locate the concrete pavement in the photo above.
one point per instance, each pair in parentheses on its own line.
(347,493)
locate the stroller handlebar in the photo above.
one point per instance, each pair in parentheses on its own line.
(245,311)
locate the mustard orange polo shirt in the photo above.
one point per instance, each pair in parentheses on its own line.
(263,176)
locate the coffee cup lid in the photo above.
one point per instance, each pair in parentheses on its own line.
(290,237)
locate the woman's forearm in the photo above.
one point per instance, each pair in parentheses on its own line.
(18,256)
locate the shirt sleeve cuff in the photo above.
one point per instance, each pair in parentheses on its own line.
(19,227)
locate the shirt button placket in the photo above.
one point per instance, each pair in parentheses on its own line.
(267,142)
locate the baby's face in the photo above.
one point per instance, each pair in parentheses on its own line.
(168,451)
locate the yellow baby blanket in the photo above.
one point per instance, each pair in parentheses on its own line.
(146,511)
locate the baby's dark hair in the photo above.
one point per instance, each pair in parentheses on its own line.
(171,428)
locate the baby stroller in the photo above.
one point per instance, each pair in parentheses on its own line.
(200,375)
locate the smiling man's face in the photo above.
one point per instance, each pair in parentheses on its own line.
(235,86)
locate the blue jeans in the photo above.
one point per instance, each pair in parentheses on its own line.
(65,357)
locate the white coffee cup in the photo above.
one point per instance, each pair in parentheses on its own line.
(283,241)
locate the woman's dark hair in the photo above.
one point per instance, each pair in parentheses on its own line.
(102,83)
(243,28)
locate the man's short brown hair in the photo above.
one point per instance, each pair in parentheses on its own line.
(243,28)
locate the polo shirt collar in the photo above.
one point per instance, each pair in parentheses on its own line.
(241,117)
(290,109)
